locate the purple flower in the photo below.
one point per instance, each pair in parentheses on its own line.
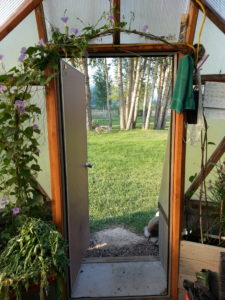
(74,31)
(21,57)
(41,42)
(5,201)
(22,54)
(145,28)
(21,110)
(35,127)
(64,20)
(2,88)
(23,50)
(37,150)
(19,103)
(111,17)
(1,57)
(16,210)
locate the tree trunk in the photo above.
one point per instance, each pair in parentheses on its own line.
(141,78)
(120,90)
(129,87)
(166,106)
(134,94)
(162,111)
(87,94)
(151,94)
(107,93)
(159,91)
(146,93)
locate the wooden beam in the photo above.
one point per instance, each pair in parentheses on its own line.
(214,158)
(192,22)
(116,7)
(213,15)
(212,77)
(178,172)
(54,154)
(40,20)
(134,49)
(21,13)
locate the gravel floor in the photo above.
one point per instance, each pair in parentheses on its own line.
(145,248)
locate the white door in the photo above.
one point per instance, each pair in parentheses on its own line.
(75,158)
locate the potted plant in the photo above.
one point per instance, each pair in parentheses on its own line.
(34,256)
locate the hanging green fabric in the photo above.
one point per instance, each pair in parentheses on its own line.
(183,96)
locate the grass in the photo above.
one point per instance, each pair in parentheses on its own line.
(125,179)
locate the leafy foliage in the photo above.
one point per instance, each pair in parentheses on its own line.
(36,253)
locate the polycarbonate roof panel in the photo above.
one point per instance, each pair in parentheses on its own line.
(213,40)
(88,11)
(23,35)
(163,18)
(218,6)
(8,8)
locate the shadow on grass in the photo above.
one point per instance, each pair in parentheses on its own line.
(135,222)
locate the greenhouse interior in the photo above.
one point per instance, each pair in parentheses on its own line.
(112,121)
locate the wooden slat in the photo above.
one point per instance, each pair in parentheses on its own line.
(21,13)
(197,251)
(213,15)
(40,20)
(214,158)
(116,35)
(178,172)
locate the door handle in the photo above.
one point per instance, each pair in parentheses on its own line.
(88,165)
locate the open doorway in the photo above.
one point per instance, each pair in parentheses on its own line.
(126,146)
(124,183)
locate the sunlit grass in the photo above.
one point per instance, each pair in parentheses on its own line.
(125,179)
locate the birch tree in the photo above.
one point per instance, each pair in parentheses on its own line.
(87,94)
(134,94)
(120,93)
(164,99)
(151,94)
(130,71)
(138,96)
(146,92)
(106,70)
(162,69)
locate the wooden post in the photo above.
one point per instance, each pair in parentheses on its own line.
(53,134)
(178,173)
(54,154)
(40,20)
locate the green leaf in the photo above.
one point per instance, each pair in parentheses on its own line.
(191,178)
(9,132)
(211,143)
(35,167)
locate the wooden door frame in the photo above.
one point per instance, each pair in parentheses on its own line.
(59,216)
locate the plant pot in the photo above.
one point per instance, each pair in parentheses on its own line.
(193,258)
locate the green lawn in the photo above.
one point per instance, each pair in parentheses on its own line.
(125,179)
